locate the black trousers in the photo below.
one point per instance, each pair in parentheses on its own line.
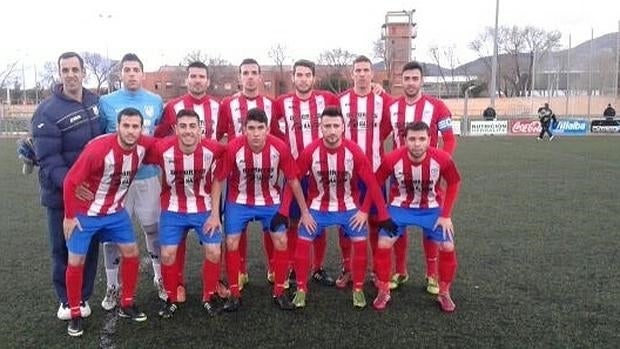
(546,127)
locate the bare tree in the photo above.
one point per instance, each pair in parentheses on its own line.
(435,54)
(98,67)
(49,76)
(8,74)
(336,62)
(539,43)
(278,54)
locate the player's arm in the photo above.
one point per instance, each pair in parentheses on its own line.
(444,125)
(213,224)
(224,119)
(165,127)
(277,118)
(453,180)
(381,175)
(363,168)
(290,170)
(303,166)
(77,175)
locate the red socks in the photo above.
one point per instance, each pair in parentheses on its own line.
(400,253)
(129,277)
(431,250)
(359,263)
(268,245)
(243,251)
(73,280)
(291,236)
(210,277)
(170,277)
(280,264)
(383,265)
(320,246)
(180,262)
(345,247)
(232,269)
(447,269)
(302,263)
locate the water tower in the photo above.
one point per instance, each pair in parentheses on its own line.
(397,34)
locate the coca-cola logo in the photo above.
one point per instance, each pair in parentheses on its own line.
(525,127)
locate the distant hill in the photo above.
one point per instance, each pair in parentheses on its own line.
(603,46)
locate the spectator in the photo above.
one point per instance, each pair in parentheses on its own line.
(609,112)
(489,113)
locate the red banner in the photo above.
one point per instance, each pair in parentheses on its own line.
(524,127)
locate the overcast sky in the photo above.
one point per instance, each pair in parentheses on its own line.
(163,34)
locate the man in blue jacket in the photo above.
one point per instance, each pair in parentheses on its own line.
(61,127)
(142,200)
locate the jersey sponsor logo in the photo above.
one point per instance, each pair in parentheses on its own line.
(75,118)
(444,124)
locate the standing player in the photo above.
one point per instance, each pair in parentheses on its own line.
(107,166)
(143,197)
(187,162)
(61,127)
(207,108)
(365,125)
(415,199)
(298,114)
(252,169)
(233,113)
(416,106)
(336,165)
(547,119)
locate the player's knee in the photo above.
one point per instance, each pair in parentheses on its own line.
(76,260)
(151,230)
(446,246)
(280,242)
(168,256)
(129,250)
(385,242)
(213,252)
(232,242)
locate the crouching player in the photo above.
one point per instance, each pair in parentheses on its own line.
(417,170)
(93,191)
(187,163)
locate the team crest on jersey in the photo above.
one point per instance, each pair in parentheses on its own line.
(434,172)
(348,163)
(149,110)
(95,110)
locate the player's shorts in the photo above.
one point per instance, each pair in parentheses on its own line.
(362,187)
(327,219)
(116,227)
(424,218)
(142,200)
(295,211)
(173,225)
(239,215)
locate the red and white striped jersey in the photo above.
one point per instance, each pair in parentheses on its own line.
(417,185)
(187,178)
(107,170)
(429,109)
(253,178)
(207,109)
(234,110)
(334,176)
(299,118)
(365,123)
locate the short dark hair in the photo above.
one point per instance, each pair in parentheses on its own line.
(417,126)
(249,61)
(258,115)
(332,111)
(129,112)
(198,64)
(361,59)
(132,57)
(70,54)
(304,63)
(413,65)
(187,112)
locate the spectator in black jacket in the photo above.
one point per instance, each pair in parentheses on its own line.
(609,112)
